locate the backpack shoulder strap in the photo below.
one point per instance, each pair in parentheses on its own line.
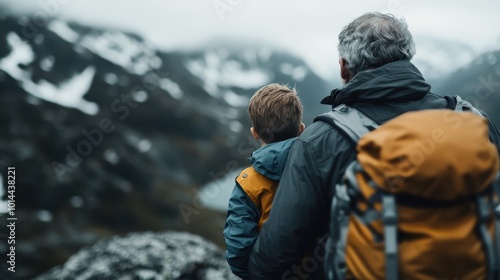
(350,121)
(465,106)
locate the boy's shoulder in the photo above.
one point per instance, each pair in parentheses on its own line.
(254,183)
(251,178)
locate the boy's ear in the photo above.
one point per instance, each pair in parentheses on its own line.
(301,128)
(254,133)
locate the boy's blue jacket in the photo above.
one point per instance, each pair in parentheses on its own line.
(250,202)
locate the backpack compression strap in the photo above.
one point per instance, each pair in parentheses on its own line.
(484,216)
(390,219)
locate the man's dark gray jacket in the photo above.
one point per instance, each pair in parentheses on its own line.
(290,245)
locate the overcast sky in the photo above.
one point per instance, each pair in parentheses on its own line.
(450,33)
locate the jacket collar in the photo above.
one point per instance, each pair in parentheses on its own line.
(270,159)
(398,80)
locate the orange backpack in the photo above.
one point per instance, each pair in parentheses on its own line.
(419,202)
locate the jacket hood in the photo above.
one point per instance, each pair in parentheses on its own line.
(270,159)
(398,80)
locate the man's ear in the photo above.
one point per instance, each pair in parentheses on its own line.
(301,128)
(345,74)
(254,133)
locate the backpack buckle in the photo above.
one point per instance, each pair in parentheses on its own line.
(389,212)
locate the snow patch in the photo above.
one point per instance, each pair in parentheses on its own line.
(44,216)
(144,146)
(172,88)
(21,53)
(235,100)
(47,63)
(297,73)
(111,78)
(125,51)
(249,79)
(111,156)
(235,126)
(141,144)
(64,31)
(69,93)
(39,39)
(215,72)
(140,96)
(233,74)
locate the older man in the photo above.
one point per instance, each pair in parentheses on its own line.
(375,51)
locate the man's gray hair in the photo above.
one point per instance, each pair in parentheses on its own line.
(373,40)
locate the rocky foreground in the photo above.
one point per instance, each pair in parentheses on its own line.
(165,255)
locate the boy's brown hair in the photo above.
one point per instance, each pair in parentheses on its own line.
(276,113)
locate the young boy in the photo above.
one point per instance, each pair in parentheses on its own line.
(276,115)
